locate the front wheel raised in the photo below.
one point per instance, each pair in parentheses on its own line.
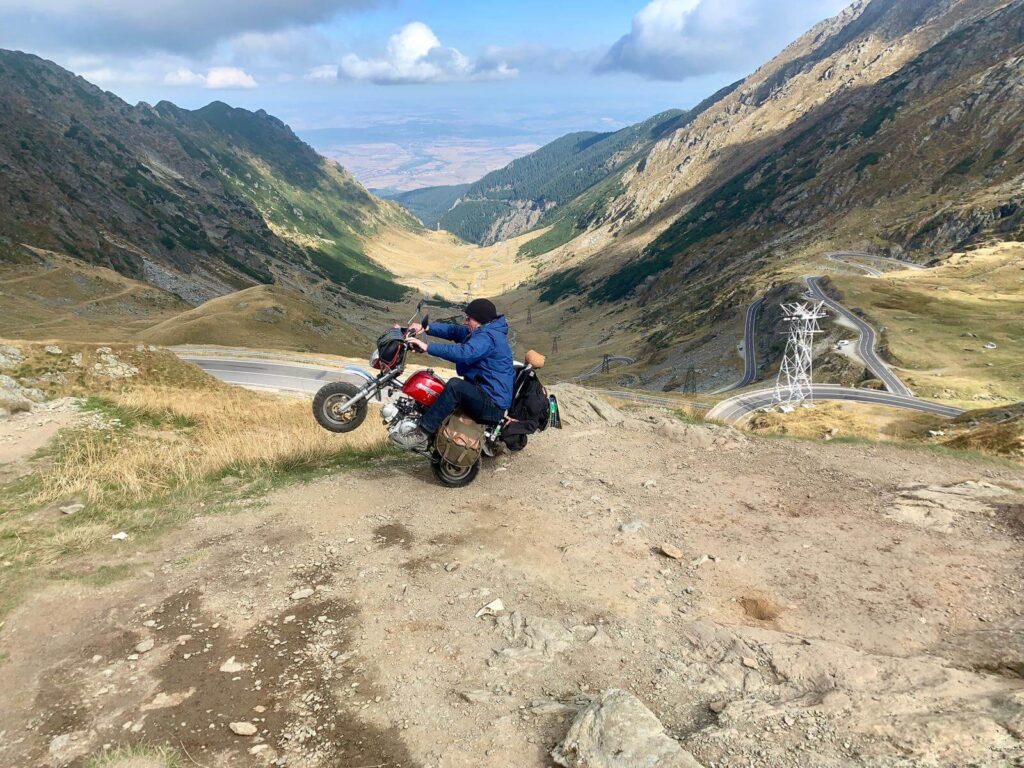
(327,407)
(452,476)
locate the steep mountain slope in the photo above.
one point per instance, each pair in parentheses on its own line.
(429,204)
(895,125)
(199,203)
(513,199)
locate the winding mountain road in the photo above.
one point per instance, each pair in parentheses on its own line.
(591,372)
(843,257)
(750,367)
(738,407)
(307,378)
(865,344)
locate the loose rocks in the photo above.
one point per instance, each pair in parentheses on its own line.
(10,357)
(670,550)
(242,729)
(579,407)
(618,731)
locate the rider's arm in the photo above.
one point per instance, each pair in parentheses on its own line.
(449,331)
(477,348)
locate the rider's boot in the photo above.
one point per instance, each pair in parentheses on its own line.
(412,439)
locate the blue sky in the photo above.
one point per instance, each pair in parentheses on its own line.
(347,73)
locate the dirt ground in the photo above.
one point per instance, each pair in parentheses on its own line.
(833,605)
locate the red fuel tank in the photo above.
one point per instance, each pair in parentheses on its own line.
(424,387)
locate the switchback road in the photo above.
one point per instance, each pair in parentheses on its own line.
(865,344)
(750,367)
(738,407)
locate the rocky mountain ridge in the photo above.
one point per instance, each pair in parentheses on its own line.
(892,127)
(200,203)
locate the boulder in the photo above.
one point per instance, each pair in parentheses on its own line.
(618,731)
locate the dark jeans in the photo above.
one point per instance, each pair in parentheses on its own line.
(459,393)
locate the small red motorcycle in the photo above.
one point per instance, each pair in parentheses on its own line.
(342,406)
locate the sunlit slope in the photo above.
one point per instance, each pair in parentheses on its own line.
(265,317)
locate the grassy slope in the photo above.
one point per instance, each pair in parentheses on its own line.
(68,299)
(440,263)
(217,192)
(927,312)
(163,442)
(266,317)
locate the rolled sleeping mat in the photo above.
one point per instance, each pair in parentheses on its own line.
(535,359)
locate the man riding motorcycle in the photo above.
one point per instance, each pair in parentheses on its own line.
(482,357)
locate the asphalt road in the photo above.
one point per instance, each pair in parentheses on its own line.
(737,407)
(750,368)
(591,372)
(865,344)
(308,378)
(267,374)
(844,257)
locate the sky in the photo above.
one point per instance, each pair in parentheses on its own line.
(361,79)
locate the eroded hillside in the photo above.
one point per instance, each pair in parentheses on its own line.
(198,203)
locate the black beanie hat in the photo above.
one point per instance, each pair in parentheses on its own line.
(481,310)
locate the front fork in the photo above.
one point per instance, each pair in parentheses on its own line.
(372,388)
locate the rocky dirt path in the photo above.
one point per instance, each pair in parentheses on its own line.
(774,603)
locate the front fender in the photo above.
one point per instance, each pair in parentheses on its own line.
(357,371)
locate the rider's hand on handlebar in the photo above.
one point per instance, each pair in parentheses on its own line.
(417,344)
(415,329)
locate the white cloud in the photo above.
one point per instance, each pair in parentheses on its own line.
(216,78)
(677,39)
(326,73)
(179,26)
(184,76)
(229,77)
(415,55)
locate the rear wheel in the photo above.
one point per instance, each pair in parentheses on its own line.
(327,411)
(452,476)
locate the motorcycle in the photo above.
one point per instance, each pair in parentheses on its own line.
(342,406)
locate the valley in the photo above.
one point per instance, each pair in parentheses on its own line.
(684,574)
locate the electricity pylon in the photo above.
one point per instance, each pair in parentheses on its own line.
(690,381)
(793,385)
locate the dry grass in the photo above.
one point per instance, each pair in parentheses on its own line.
(929,314)
(78,302)
(438,262)
(140,756)
(264,316)
(158,464)
(830,420)
(233,430)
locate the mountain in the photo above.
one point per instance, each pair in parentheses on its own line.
(430,204)
(894,126)
(199,203)
(529,190)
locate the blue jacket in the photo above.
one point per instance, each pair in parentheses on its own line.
(482,357)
